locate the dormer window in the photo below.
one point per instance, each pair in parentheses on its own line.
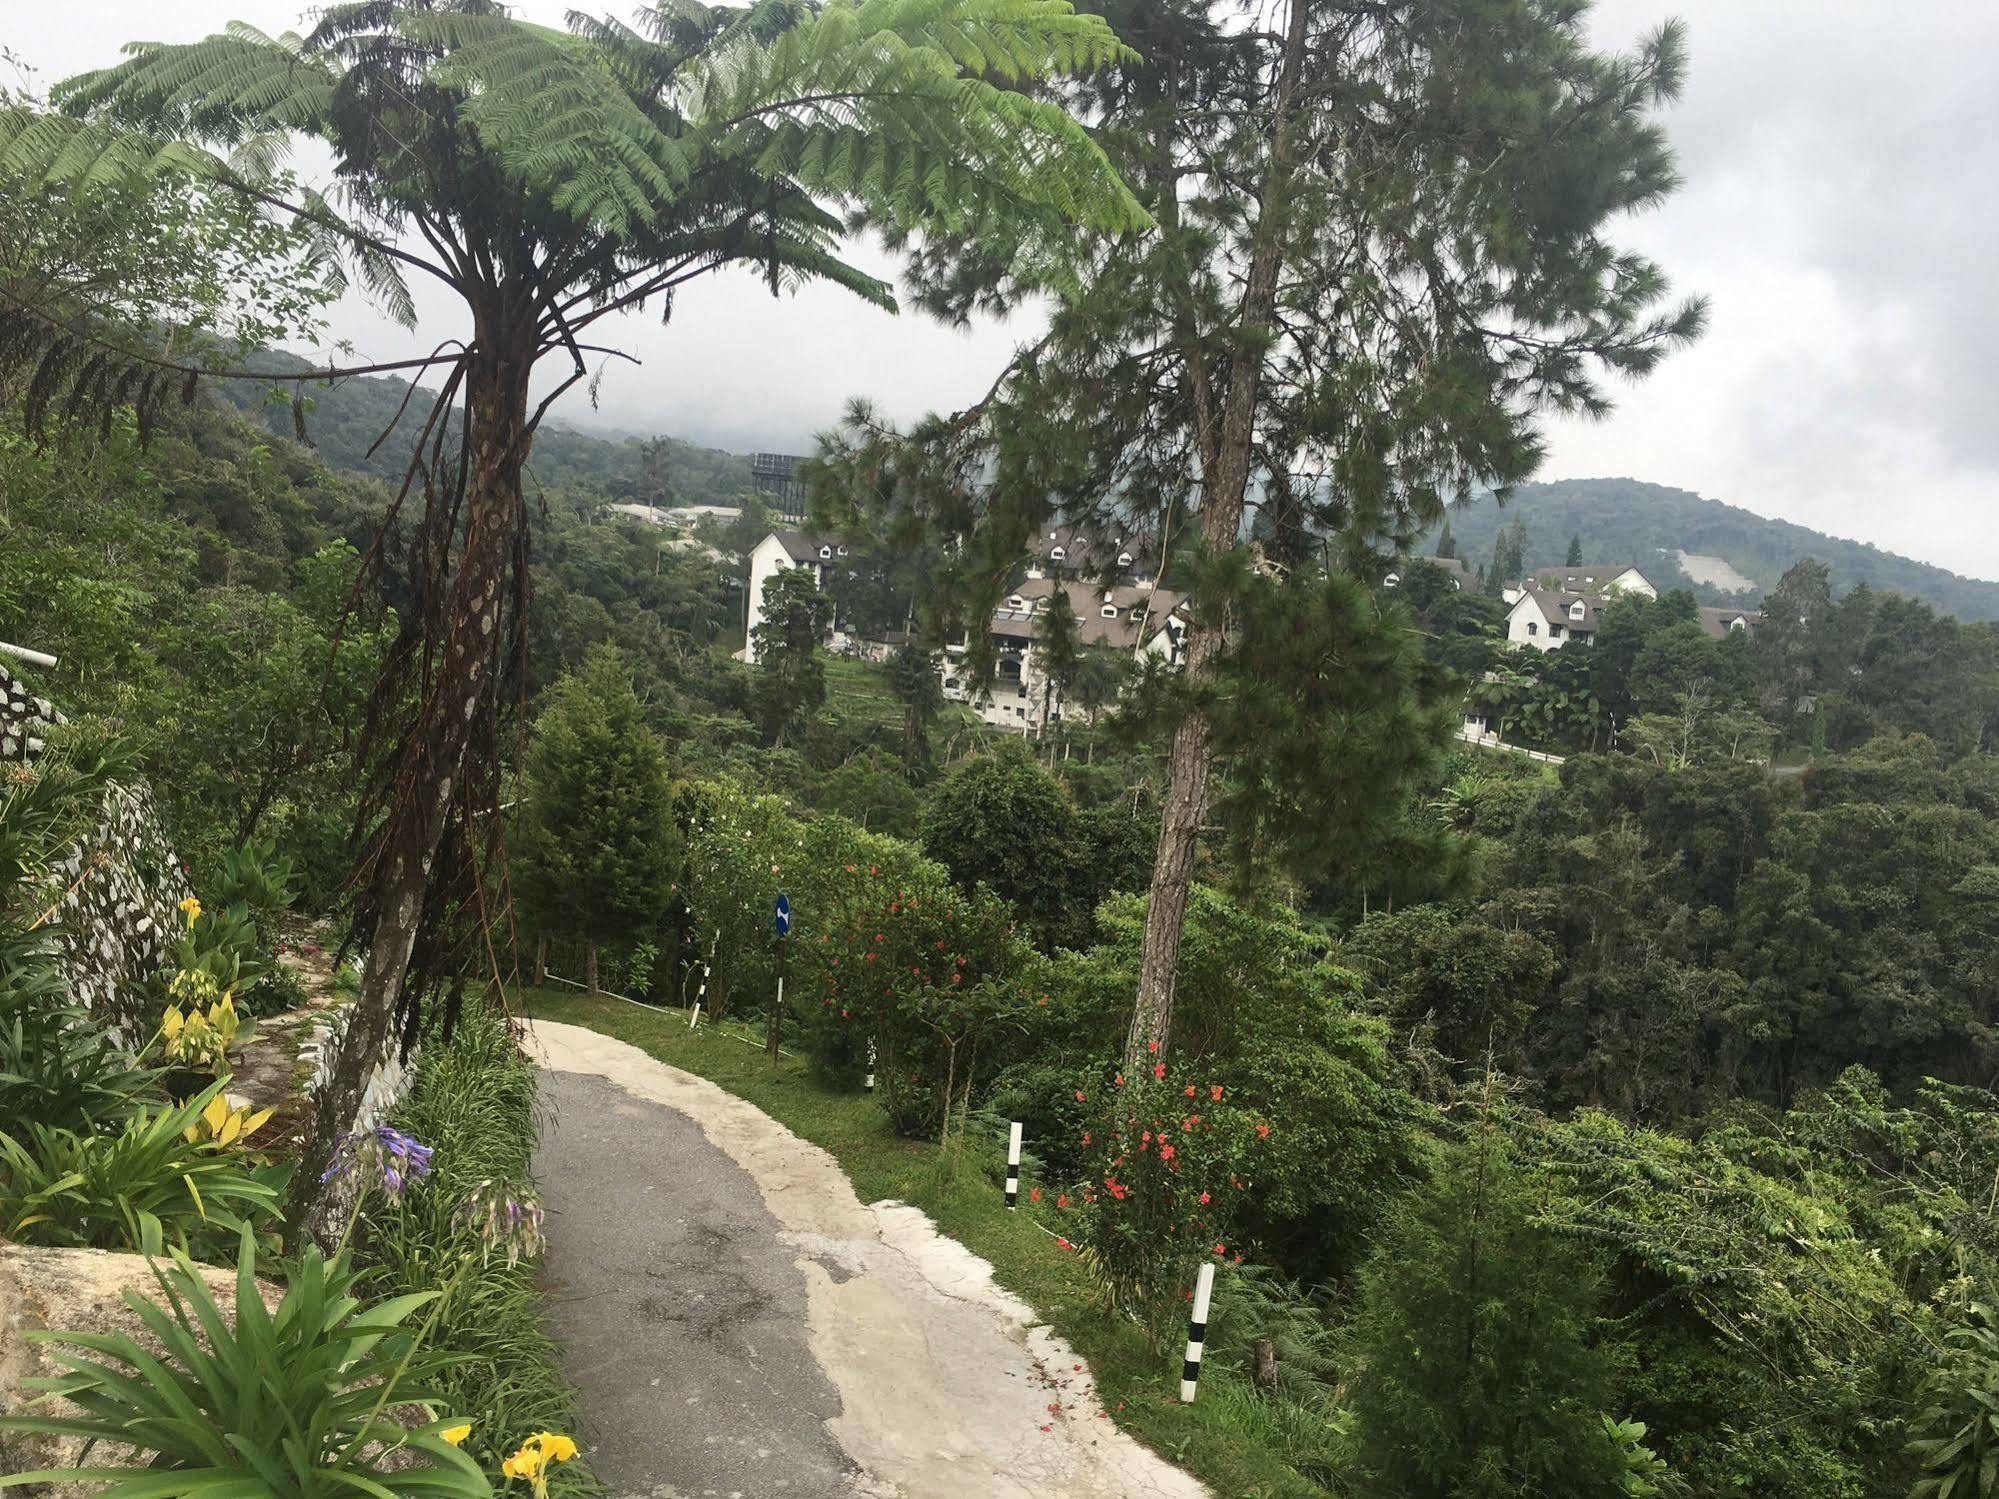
(1109,611)
(1576,610)
(825,554)
(1058,554)
(1016,602)
(1124,559)
(842,551)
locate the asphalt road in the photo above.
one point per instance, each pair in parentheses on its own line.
(739,1325)
(681,1315)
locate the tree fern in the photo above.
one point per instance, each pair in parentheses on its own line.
(550,178)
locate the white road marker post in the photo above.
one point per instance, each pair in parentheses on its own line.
(1013,1166)
(700,995)
(1197,1331)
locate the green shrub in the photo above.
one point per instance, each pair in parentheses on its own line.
(139,1187)
(57,1067)
(258,878)
(473,1102)
(1480,1374)
(293,1403)
(221,943)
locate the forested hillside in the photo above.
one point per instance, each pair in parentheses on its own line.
(1627,520)
(344,421)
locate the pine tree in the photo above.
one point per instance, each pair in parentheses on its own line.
(1058,651)
(545,181)
(597,845)
(912,677)
(1272,336)
(1575,550)
(1479,1376)
(1509,552)
(1447,544)
(791,680)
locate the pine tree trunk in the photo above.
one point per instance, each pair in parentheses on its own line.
(589,968)
(1227,441)
(432,758)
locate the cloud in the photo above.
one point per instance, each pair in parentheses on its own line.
(1840,209)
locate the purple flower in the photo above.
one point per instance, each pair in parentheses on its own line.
(504,1221)
(381,1157)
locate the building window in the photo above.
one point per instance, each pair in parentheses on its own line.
(1109,611)
(825,553)
(1554,631)
(1576,610)
(1532,628)
(1124,559)
(1057,554)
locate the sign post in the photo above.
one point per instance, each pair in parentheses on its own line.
(781,915)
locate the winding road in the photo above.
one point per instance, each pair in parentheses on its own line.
(740,1325)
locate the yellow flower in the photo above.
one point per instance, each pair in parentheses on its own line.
(536,1453)
(555,1448)
(456,1435)
(191,909)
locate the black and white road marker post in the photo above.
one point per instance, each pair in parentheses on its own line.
(1197,1331)
(1013,1166)
(700,998)
(869,1084)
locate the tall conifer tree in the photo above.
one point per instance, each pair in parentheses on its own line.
(1381,256)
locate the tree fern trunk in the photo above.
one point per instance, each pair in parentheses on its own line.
(431,758)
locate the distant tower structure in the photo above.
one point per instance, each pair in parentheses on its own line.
(775,476)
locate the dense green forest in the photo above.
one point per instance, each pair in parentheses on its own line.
(1647,525)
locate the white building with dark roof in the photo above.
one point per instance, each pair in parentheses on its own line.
(776,553)
(1592,577)
(1549,621)
(1126,618)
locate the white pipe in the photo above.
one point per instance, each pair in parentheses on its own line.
(34,658)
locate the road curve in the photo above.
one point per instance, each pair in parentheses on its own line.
(740,1325)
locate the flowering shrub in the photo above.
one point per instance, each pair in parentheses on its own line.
(201,1024)
(1171,1160)
(382,1159)
(505,1220)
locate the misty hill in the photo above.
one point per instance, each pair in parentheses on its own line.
(344,420)
(1732,556)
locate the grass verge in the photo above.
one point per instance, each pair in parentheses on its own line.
(1226,1438)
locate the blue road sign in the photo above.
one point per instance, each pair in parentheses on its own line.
(783,915)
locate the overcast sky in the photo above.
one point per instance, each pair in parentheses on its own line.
(1842,195)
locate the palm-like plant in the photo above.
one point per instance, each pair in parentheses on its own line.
(548,180)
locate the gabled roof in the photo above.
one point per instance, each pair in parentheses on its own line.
(800,547)
(1721,623)
(1087,601)
(1582,577)
(1554,608)
(1455,566)
(1083,552)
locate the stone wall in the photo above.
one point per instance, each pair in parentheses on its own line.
(115,915)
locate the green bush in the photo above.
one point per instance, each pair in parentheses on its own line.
(473,1102)
(1480,1374)
(57,1067)
(139,1187)
(294,1403)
